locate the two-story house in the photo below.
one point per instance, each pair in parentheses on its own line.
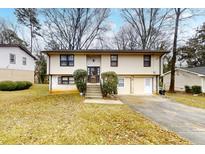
(138,70)
(16,63)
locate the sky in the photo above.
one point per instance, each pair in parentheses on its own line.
(115,19)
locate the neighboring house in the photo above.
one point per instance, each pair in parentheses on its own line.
(138,70)
(186,76)
(16,63)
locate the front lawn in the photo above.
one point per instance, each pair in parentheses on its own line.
(36,117)
(188,99)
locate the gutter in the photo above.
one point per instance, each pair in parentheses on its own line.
(49,65)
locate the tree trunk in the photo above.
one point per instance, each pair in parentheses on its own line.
(31,38)
(173,61)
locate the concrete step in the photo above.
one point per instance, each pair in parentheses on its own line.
(93,96)
(94,90)
(93,85)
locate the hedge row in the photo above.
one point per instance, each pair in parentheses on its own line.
(17,85)
(193,89)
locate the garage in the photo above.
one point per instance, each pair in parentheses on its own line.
(135,85)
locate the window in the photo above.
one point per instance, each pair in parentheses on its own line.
(147,60)
(114,60)
(65,80)
(66,60)
(120,82)
(12,59)
(24,60)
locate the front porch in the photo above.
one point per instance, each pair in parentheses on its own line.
(93,89)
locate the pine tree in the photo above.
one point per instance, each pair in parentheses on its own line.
(28,17)
(193,53)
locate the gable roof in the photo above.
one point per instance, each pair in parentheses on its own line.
(200,71)
(19,46)
(104,51)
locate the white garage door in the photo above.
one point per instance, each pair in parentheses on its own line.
(148,86)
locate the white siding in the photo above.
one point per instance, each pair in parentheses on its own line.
(127,64)
(126,89)
(130,64)
(93,60)
(55,68)
(60,87)
(19,54)
(136,85)
(130,68)
(181,79)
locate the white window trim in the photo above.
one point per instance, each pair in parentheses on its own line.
(122,79)
(68,80)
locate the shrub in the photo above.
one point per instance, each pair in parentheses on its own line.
(7,85)
(21,85)
(187,89)
(28,84)
(109,83)
(11,86)
(80,78)
(196,89)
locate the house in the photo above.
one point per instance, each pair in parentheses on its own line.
(16,63)
(138,70)
(186,76)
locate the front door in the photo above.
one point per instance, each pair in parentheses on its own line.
(93,74)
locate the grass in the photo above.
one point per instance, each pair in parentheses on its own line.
(36,117)
(188,99)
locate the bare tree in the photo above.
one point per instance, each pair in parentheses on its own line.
(126,39)
(178,13)
(74,28)
(146,24)
(8,35)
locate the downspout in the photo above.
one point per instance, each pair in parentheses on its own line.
(160,70)
(49,66)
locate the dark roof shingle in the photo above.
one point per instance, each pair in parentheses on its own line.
(199,70)
(105,51)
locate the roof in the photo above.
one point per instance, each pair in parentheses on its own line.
(199,70)
(105,51)
(19,46)
(195,70)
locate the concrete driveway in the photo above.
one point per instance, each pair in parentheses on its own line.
(188,122)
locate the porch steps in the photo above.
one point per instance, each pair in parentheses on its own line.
(93,91)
